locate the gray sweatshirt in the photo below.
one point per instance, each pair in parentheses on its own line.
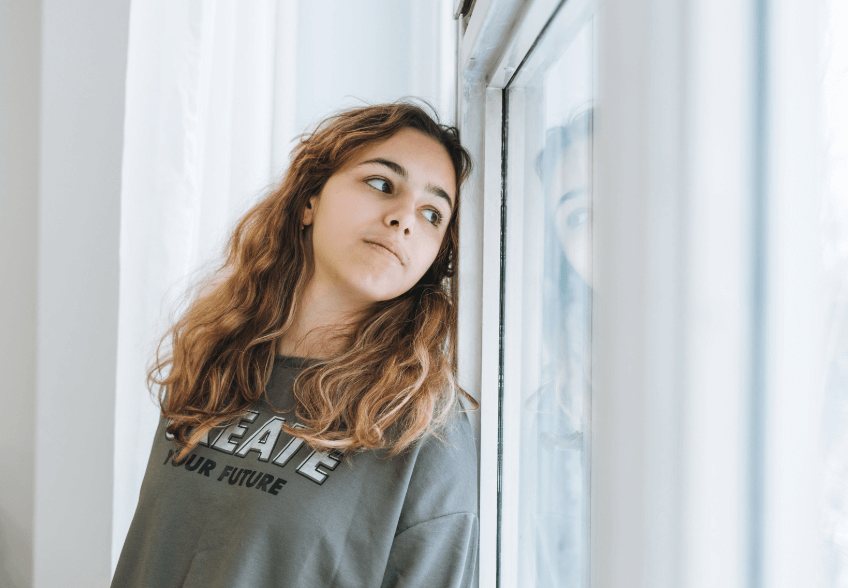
(252,506)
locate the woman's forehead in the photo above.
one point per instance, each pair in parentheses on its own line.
(412,144)
(411,154)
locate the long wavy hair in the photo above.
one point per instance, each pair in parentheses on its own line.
(395,379)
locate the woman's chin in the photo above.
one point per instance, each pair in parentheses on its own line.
(366,293)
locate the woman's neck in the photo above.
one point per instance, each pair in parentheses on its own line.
(322,319)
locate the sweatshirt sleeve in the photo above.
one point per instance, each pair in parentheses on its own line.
(440,552)
(435,543)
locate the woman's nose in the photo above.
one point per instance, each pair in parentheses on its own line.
(401,214)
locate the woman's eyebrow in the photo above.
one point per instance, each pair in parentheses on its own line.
(395,167)
(401,171)
(570,195)
(436,191)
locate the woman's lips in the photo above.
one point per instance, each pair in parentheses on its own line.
(388,246)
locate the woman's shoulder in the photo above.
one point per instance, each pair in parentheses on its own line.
(451,444)
(444,477)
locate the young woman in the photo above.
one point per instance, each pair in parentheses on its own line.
(311,431)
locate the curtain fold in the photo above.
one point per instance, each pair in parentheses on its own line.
(198,150)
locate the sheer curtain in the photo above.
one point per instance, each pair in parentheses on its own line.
(216,91)
(198,148)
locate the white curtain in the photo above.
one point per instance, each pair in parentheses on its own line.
(216,91)
(198,149)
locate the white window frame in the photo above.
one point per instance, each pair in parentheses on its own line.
(499,34)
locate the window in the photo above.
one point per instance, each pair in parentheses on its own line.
(537,254)
(641,310)
(548,308)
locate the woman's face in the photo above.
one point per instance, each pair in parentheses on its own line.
(378,223)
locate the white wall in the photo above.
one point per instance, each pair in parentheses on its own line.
(61,117)
(20,51)
(82,97)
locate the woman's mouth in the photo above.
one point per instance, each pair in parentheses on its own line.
(387,248)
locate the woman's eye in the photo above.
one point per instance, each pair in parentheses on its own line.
(577,218)
(380,184)
(433,217)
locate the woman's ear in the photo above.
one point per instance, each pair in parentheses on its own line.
(309,211)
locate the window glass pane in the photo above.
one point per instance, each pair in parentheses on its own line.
(548,304)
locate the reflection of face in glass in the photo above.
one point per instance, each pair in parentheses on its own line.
(559,405)
(568,197)
(565,167)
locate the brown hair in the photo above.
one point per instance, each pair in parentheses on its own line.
(394,381)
